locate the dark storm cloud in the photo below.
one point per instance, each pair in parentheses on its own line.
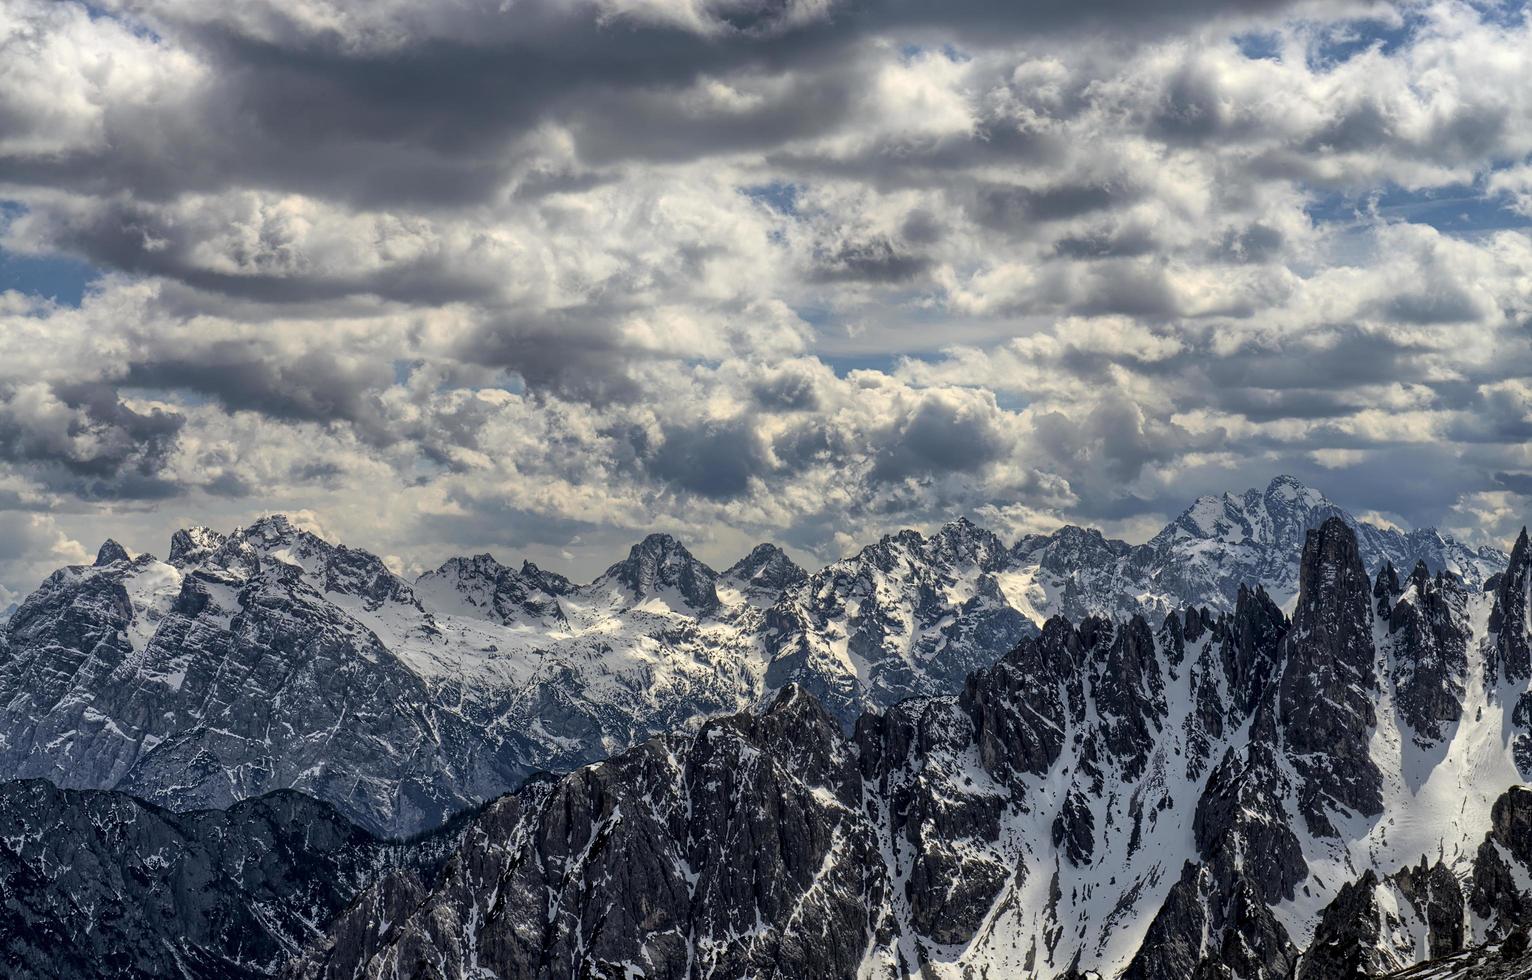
(1439,303)
(1118,440)
(876,261)
(1107,243)
(1334,358)
(1517,483)
(82,439)
(1253,243)
(571,353)
(1018,208)
(787,390)
(429,121)
(939,437)
(1307,404)
(145,239)
(714,459)
(306,386)
(1498,414)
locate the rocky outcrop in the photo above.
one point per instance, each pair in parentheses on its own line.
(1327,691)
(909,616)
(660,566)
(1502,865)
(97,884)
(1511,628)
(234,679)
(1429,635)
(764,574)
(660,861)
(1509,621)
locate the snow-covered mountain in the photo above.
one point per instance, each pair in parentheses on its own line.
(1234,795)
(269,658)
(1215,546)
(1242,794)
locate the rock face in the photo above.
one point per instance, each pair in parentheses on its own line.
(1325,702)
(268,658)
(907,616)
(1220,795)
(1507,960)
(202,685)
(97,884)
(764,574)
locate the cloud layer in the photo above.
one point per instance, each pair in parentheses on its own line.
(549,275)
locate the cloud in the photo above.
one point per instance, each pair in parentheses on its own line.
(553,274)
(943,432)
(31,546)
(84,439)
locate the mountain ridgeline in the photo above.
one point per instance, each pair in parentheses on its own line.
(1214,795)
(270,659)
(1335,793)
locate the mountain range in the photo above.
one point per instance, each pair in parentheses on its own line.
(269,658)
(1333,793)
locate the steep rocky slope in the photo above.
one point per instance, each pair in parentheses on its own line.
(1218,795)
(98,884)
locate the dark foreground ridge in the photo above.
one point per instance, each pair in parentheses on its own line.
(98,884)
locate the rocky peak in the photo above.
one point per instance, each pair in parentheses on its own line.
(482,587)
(796,728)
(1497,894)
(1253,633)
(964,542)
(1386,588)
(1347,941)
(1070,548)
(1428,639)
(1278,515)
(272,530)
(660,564)
(1508,619)
(767,567)
(192,545)
(1221,541)
(111,553)
(1331,577)
(550,582)
(1328,682)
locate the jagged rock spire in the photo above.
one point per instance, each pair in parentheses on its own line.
(1429,640)
(1328,683)
(110,553)
(660,562)
(1508,619)
(767,566)
(194,544)
(1386,588)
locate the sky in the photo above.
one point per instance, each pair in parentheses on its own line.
(539,277)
